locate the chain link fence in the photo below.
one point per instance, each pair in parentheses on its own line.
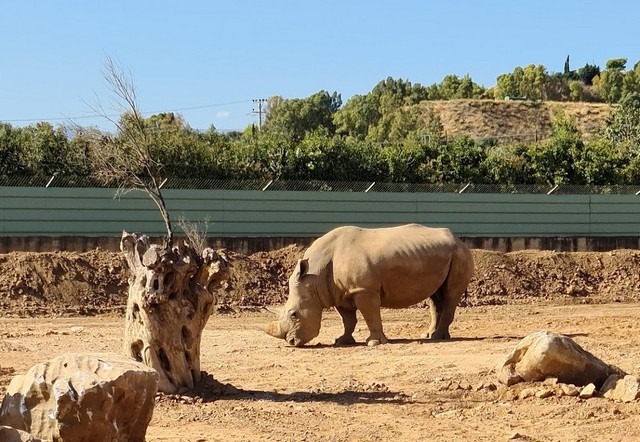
(328,186)
(53,181)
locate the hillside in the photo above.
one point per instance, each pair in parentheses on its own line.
(512,120)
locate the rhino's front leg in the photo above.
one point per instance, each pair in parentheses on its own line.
(369,305)
(349,321)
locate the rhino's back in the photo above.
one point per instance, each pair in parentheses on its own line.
(406,263)
(410,241)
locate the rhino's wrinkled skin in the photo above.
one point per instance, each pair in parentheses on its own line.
(352,268)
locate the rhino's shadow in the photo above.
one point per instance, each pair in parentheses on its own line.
(410,341)
(430,341)
(437,341)
(391,341)
(465,339)
(320,346)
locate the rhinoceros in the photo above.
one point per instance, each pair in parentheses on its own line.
(352,268)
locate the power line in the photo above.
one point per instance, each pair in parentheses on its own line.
(259,101)
(205,106)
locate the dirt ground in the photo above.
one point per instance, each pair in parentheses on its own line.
(257,388)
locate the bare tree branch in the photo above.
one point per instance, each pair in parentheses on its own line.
(127,159)
(196,233)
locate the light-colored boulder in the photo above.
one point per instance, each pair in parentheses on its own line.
(588,391)
(9,434)
(82,397)
(544,354)
(527,393)
(569,390)
(625,389)
(544,393)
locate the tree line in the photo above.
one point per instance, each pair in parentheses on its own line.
(380,136)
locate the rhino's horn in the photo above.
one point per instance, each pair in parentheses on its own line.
(274,329)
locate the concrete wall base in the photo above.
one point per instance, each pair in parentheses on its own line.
(258,244)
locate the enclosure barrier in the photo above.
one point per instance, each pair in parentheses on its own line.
(524,217)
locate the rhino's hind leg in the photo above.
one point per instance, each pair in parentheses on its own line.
(349,320)
(452,292)
(443,308)
(446,318)
(436,306)
(448,296)
(369,305)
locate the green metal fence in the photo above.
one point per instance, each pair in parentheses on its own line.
(58,211)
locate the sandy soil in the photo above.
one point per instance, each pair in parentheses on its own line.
(257,388)
(409,389)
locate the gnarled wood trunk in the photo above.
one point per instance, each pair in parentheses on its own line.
(170,300)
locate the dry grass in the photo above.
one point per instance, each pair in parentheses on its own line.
(513,120)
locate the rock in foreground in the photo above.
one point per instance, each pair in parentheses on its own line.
(621,388)
(81,397)
(544,354)
(8,434)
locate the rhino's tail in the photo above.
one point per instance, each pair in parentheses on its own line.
(452,290)
(460,273)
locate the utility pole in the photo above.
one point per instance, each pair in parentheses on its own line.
(259,101)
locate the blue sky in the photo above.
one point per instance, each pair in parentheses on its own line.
(208,59)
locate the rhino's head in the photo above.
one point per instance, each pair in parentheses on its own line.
(300,319)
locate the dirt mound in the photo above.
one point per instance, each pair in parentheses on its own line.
(62,282)
(67,283)
(533,275)
(261,278)
(525,121)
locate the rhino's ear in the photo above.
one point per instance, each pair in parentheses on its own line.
(301,268)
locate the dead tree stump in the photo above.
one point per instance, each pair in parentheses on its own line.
(171,296)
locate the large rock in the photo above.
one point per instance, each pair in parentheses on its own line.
(621,388)
(544,354)
(9,434)
(82,397)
